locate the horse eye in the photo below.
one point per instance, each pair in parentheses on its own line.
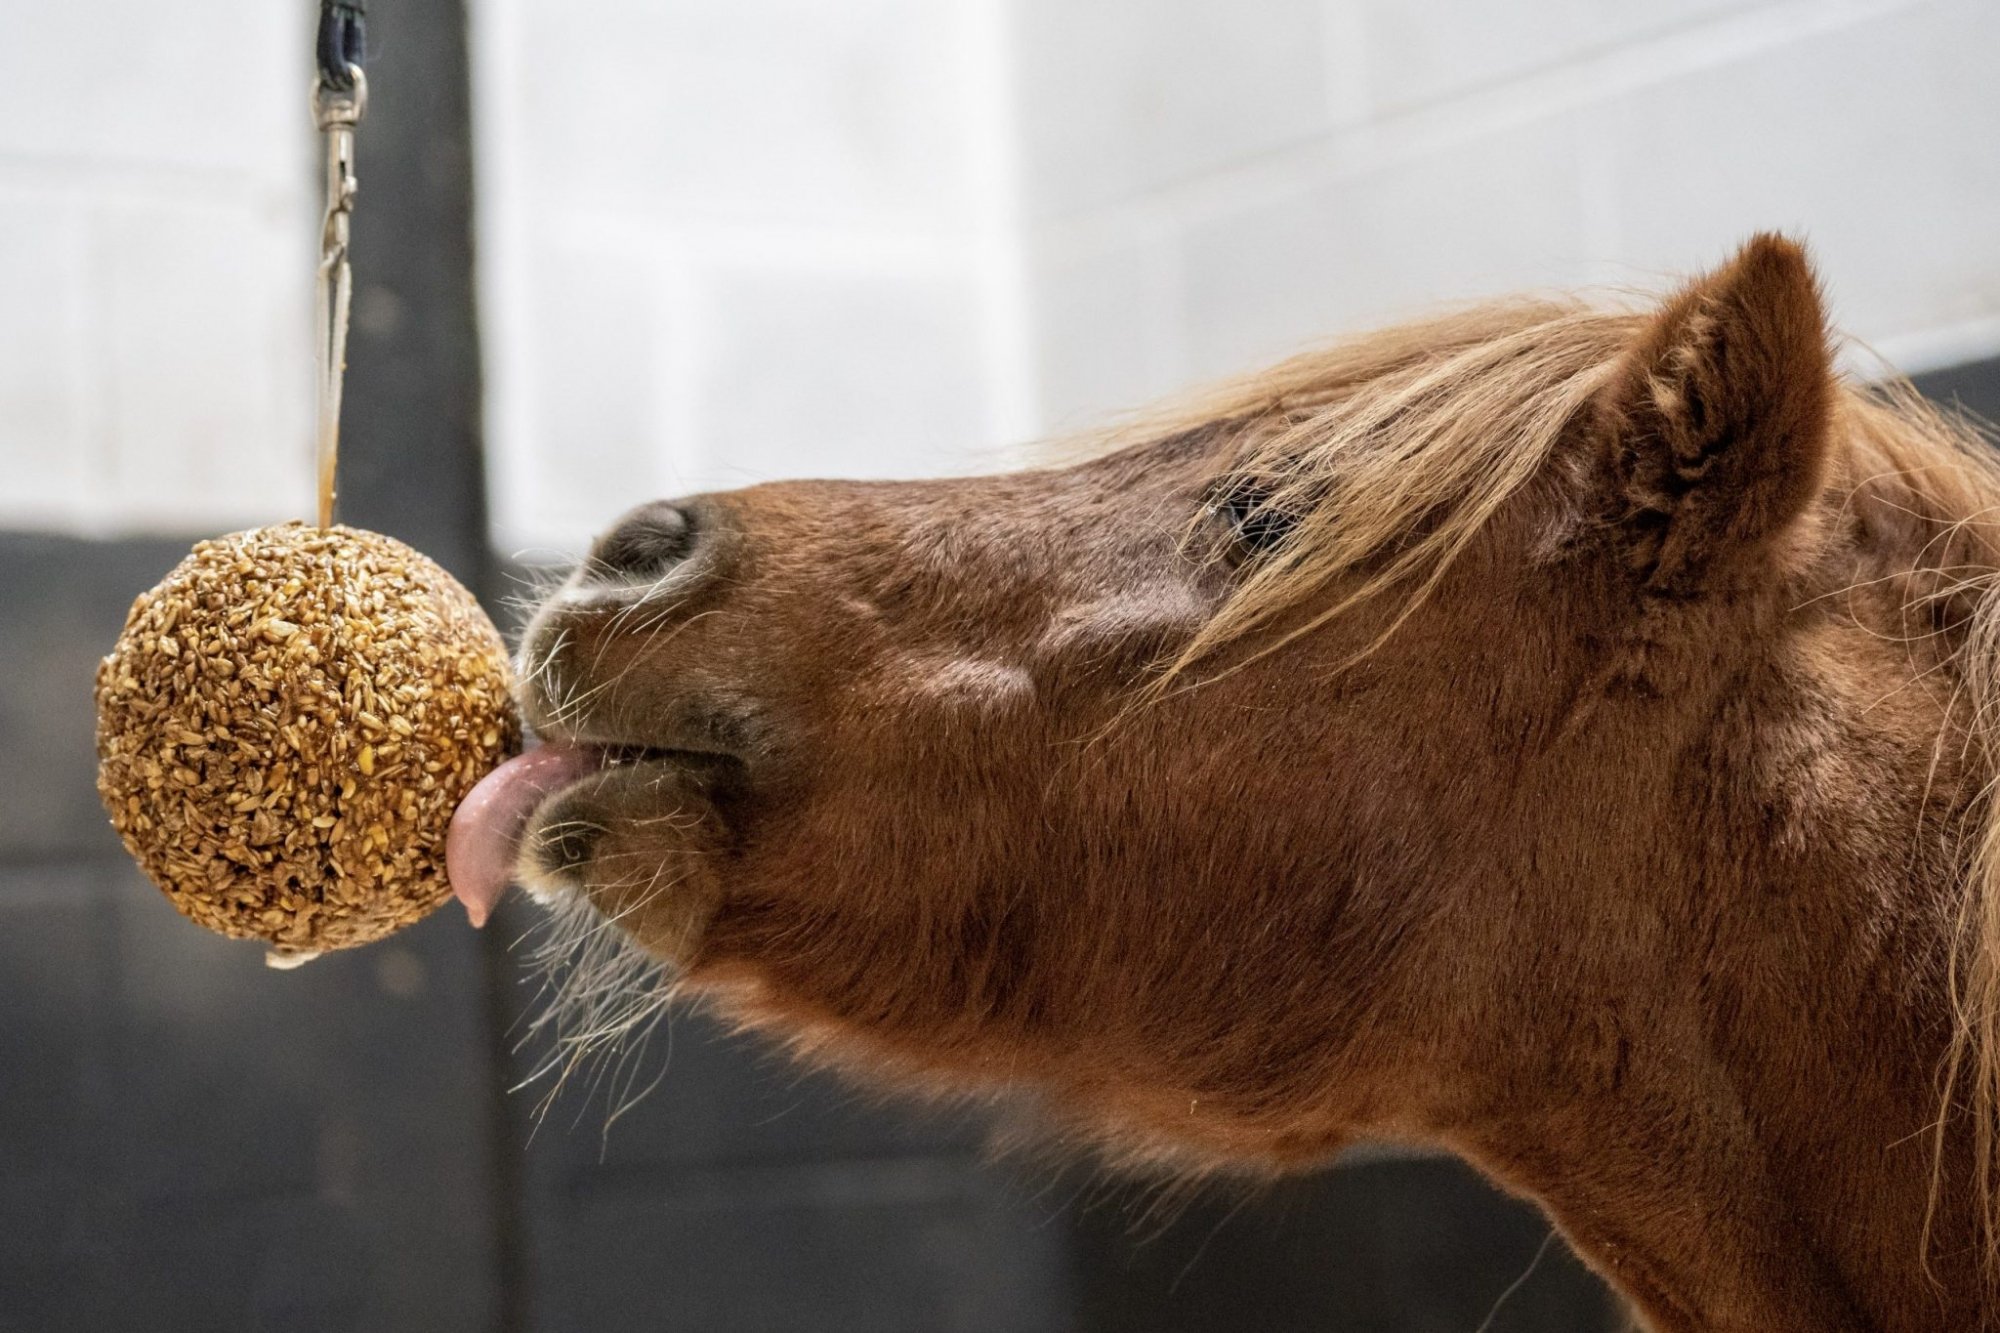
(1245,504)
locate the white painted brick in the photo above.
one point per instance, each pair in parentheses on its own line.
(207,84)
(1872,142)
(1422,53)
(1226,192)
(44,448)
(1117,97)
(1490,215)
(205,341)
(1106,327)
(771,110)
(869,374)
(598,430)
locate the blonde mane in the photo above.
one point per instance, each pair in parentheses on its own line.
(1392,451)
(1387,454)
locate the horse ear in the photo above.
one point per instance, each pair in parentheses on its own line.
(1716,419)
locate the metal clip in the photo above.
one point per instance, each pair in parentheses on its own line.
(340,104)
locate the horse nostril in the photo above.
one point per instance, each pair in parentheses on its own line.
(648,542)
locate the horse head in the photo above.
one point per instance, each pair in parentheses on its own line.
(1552,733)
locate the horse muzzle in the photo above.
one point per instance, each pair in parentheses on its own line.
(639,744)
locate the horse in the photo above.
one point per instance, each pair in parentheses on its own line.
(1557,733)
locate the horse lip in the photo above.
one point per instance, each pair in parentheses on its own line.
(618,758)
(549,865)
(624,751)
(692,726)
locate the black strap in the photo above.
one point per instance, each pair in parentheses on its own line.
(342,37)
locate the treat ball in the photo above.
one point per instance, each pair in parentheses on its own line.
(287,723)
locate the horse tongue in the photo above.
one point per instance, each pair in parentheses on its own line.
(485,834)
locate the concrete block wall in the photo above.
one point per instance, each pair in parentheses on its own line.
(156,252)
(1358,160)
(898,237)
(728,242)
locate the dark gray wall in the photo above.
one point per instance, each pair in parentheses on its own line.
(188,1140)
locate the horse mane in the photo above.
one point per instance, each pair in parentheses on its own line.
(1385,455)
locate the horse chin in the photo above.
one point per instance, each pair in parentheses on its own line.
(638,842)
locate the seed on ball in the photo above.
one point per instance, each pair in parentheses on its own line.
(287,723)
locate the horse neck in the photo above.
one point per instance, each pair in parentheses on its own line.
(1761,1152)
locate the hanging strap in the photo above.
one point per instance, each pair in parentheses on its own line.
(337,109)
(342,39)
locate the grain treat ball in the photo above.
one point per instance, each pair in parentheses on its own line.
(287,723)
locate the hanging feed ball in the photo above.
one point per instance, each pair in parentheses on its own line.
(289,719)
(286,725)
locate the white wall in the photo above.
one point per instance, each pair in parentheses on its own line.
(890,237)
(725,240)
(1451,148)
(731,242)
(157,239)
